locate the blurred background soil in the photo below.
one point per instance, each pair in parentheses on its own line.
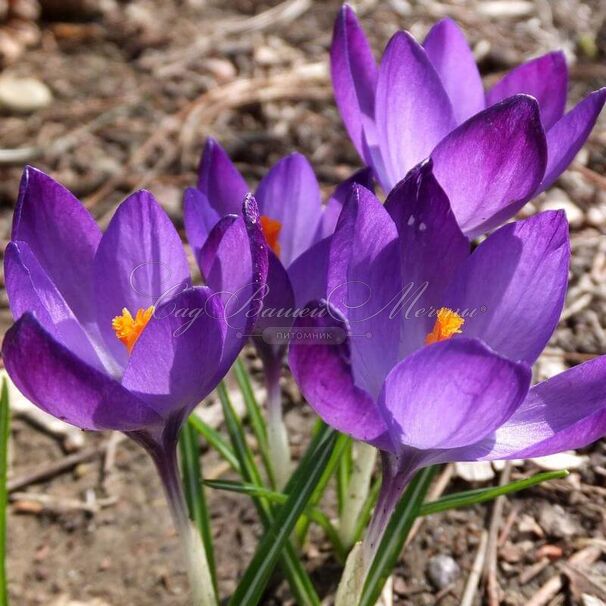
(108,96)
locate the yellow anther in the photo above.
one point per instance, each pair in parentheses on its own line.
(448,323)
(271,230)
(128,329)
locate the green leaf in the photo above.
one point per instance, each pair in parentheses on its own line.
(189,449)
(395,535)
(251,490)
(410,506)
(341,448)
(252,585)
(216,441)
(311,513)
(318,435)
(480,495)
(343,475)
(366,512)
(319,431)
(4,437)
(255,416)
(298,579)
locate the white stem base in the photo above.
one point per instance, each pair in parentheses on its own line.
(364,458)
(352,580)
(198,571)
(279,451)
(277,436)
(351,584)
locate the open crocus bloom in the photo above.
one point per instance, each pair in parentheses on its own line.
(297,229)
(109,332)
(439,343)
(293,219)
(492,151)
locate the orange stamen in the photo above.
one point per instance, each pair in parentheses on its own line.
(271,230)
(448,323)
(129,329)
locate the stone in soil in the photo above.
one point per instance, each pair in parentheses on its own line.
(554,520)
(24,95)
(442,571)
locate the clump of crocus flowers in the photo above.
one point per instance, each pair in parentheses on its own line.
(401,332)
(110,331)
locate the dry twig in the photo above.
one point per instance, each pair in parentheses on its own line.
(284,13)
(492,584)
(551,588)
(471,587)
(23,500)
(436,492)
(56,467)
(304,82)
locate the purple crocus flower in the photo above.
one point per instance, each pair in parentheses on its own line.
(297,228)
(439,341)
(492,152)
(109,331)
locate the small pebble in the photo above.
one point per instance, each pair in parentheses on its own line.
(561,460)
(442,570)
(553,552)
(511,553)
(28,507)
(596,216)
(399,586)
(24,95)
(480,471)
(222,69)
(556,522)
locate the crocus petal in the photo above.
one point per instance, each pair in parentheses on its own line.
(279,297)
(545,78)
(60,383)
(431,246)
(199,218)
(174,362)
(322,370)
(309,273)
(452,58)
(363,285)
(333,207)
(491,165)
(235,266)
(290,193)
(451,394)
(276,316)
(413,112)
(219,180)
(569,134)
(208,252)
(140,262)
(354,78)
(30,290)
(61,234)
(514,284)
(565,412)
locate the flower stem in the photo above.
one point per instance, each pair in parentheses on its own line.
(364,457)
(164,454)
(277,436)
(397,472)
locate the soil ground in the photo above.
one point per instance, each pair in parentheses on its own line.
(137,86)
